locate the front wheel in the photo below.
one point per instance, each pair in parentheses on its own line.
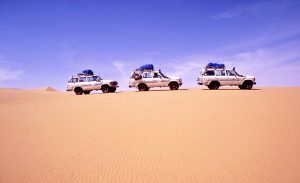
(112,89)
(105,89)
(247,85)
(174,86)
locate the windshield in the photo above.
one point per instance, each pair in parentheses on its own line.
(164,76)
(97,78)
(237,73)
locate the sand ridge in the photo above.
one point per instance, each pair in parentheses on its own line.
(189,135)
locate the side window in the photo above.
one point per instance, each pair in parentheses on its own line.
(230,73)
(82,79)
(209,73)
(73,80)
(89,79)
(96,78)
(220,73)
(147,75)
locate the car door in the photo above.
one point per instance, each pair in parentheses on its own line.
(231,78)
(97,83)
(91,83)
(147,79)
(158,80)
(84,84)
(221,77)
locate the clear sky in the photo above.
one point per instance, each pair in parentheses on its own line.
(42,42)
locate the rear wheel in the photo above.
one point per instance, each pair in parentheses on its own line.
(142,87)
(112,89)
(247,85)
(174,86)
(105,89)
(78,91)
(214,86)
(240,87)
(87,92)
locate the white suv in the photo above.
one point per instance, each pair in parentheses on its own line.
(150,79)
(214,78)
(86,83)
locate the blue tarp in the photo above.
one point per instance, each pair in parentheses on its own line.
(146,67)
(215,66)
(88,72)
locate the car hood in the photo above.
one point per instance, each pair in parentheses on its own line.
(108,81)
(175,78)
(250,77)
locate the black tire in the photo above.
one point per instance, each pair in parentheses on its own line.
(214,85)
(142,87)
(240,87)
(174,86)
(87,92)
(105,89)
(78,91)
(147,89)
(112,89)
(247,85)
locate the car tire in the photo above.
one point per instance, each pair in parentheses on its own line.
(87,92)
(174,86)
(240,86)
(105,89)
(247,85)
(78,91)
(142,87)
(112,89)
(214,85)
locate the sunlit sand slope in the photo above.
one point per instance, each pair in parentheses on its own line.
(191,135)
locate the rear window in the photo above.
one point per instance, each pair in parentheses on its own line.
(209,73)
(73,80)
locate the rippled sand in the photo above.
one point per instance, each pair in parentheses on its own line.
(190,135)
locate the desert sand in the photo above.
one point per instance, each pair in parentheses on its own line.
(189,135)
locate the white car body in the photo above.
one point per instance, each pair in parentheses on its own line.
(225,77)
(155,79)
(88,83)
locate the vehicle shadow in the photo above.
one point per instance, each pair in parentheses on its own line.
(233,89)
(183,89)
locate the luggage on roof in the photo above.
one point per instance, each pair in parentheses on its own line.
(215,66)
(88,72)
(147,67)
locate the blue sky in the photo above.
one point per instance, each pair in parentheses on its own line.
(42,43)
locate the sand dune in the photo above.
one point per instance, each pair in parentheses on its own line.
(192,135)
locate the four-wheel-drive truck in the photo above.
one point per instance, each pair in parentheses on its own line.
(85,83)
(214,77)
(148,78)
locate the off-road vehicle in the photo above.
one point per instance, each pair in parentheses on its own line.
(85,83)
(148,78)
(214,77)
